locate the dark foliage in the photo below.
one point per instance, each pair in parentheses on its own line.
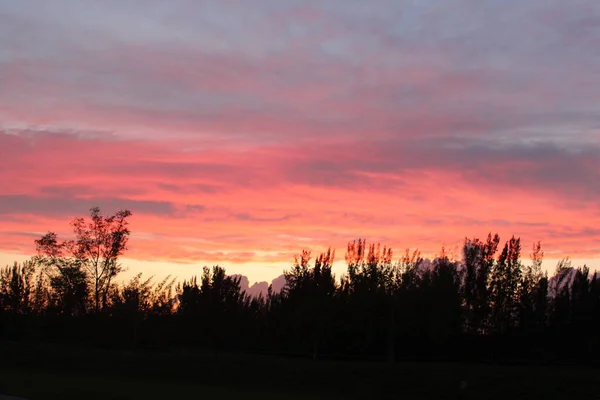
(488,306)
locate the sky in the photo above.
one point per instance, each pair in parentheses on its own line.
(240,132)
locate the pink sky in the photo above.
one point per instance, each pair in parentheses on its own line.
(241,134)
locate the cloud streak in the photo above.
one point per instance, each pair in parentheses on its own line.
(249,132)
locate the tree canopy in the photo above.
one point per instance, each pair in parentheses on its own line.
(487,304)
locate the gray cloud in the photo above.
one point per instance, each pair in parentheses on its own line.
(340,68)
(538,166)
(69,206)
(260,288)
(195,208)
(567,169)
(250,217)
(189,187)
(78,190)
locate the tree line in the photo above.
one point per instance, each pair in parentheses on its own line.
(489,305)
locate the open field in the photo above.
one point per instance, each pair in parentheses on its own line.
(41,371)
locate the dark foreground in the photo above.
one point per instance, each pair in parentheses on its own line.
(41,371)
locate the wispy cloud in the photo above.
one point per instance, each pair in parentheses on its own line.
(254,126)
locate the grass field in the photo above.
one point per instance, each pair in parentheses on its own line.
(41,371)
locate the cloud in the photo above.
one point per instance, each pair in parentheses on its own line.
(257,289)
(468,72)
(252,218)
(244,131)
(65,206)
(375,164)
(278,283)
(196,208)
(273,195)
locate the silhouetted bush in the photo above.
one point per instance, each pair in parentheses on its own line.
(488,306)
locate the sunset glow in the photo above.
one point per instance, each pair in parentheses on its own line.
(239,134)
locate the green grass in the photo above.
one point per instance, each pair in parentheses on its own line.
(39,371)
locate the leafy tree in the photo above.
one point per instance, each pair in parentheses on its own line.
(366,290)
(163,297)
(41,295)
(133,297)
(309,295)
(68,281)
(533,291)
(472,262)
(86,266)
(16,287)
(560,295)
(407,270)
(407,301)
(581,301)
(445,313)
(504,286)
(370,268)
(138,299)
(488,304)
(216,302)
(99,243)
(478,259)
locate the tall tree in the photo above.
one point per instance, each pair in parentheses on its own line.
(367,289)
(99,242)
(532,293)
(91,257)
(478,260)
(16,287)
(560,295)
(309,295)
(67,278)
(504,286)
(471,262)
(216,303)
(445,299)
(407,299)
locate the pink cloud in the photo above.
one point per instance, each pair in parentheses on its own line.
(241,133)
(279,199)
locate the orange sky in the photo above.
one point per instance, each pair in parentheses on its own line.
(240,135)
(257,208)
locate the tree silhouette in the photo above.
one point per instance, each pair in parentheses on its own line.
(68,281)
(16,288)
(533,294)
(478,259)
(504,286)
(445,301)
(98,245)
(309,296)
(86,266)
(215,304)
(487,305)
(366,289)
